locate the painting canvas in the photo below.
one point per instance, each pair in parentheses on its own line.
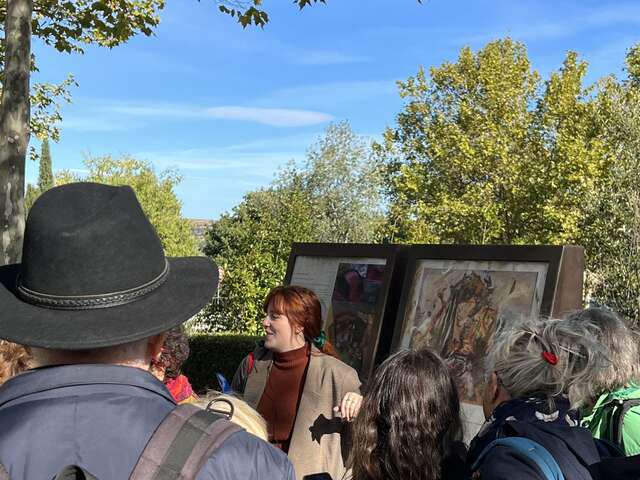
(456,306)
(351,324)
(350,291)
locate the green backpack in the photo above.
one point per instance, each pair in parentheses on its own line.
(616,418)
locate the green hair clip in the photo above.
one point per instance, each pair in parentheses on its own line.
(320,340)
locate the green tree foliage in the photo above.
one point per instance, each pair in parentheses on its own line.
(45,172)
(485,152)
(46,100)
(45,176)
(332,197)
(633,65)
(251,245)
(610,228)
(31,195)
(342,181)
(154,191)
(67,26)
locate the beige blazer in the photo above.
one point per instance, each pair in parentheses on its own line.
(320,440)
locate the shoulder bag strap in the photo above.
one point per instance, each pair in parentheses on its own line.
(535,452)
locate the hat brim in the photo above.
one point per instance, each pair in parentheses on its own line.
(191,284)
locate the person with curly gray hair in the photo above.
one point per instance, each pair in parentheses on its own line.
(533,370)
(611,398)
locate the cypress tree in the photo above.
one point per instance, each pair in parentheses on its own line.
(45,174)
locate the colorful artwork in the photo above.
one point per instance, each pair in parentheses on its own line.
(350,326)
(457,306)
(349,290)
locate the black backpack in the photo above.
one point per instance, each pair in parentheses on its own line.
(177,450)
(620,408)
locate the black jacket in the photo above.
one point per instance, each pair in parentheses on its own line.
(571,446)
(454,466)
(626,468)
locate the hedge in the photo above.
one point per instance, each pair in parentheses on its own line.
(211,353)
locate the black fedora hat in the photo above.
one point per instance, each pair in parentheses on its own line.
(94,274)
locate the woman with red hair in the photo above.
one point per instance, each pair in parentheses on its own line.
(297,383)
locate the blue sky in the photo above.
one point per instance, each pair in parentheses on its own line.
(227,107)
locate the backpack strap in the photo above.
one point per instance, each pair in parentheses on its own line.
(182,444)
(621,408)
(533,451)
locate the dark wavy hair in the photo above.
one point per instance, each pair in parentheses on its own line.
(175,352)
(409,421)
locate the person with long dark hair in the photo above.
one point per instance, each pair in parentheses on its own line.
(409,426)
(296,382)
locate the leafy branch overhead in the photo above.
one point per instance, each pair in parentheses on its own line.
(250,13)
(68,26)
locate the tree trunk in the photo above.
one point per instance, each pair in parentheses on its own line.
(14,127)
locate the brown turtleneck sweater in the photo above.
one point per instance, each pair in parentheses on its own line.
(279,402)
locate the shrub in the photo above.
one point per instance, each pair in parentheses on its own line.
(215,353)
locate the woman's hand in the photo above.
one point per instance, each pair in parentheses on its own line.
(350,406)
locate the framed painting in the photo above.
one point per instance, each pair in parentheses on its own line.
(456,298)
(353,283)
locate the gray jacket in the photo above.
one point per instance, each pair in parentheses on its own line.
(100,418)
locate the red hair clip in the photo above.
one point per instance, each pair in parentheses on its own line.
(550,357)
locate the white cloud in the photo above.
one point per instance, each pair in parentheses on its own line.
(277,117)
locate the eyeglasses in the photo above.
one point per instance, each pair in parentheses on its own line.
(226,412)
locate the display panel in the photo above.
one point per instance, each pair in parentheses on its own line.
(456,306)
(353,293)
(456,297)
(377,299)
